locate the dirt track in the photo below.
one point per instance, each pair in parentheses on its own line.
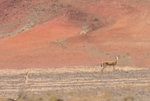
(73,78)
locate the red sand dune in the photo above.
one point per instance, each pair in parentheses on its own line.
(116,27)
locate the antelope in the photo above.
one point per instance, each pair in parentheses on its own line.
(26,77)
(109,63)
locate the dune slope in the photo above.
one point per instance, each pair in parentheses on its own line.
(113,28)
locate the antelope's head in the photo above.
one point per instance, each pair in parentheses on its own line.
(117,58)
(26,73)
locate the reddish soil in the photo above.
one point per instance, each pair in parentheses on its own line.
(115,28)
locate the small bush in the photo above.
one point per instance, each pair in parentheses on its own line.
(128,98)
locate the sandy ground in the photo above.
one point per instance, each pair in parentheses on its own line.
(116,28)
(83,81)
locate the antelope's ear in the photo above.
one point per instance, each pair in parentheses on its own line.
(117,57)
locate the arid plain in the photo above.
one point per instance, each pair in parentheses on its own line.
(71,38)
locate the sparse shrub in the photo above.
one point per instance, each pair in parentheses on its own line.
(70,93)
(54,98)
(128,98)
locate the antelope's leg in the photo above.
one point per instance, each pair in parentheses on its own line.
(103,69)
(113,68)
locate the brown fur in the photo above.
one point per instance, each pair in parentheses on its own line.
(109,63)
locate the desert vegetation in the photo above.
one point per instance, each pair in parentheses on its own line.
(53,48)
(99,94)
(75,84)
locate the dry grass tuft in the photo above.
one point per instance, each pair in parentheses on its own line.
(54,98)
(78,99)
(128,97)
(70,93)
(106,96)
(1,99)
